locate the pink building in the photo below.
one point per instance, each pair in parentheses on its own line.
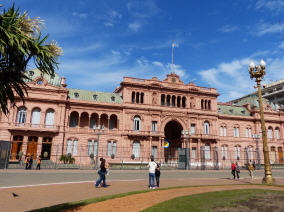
(135,121)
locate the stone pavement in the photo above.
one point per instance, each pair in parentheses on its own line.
(71,186)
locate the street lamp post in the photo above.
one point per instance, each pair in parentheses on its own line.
(186,133)
(258,73)
(256,137)
(98,129)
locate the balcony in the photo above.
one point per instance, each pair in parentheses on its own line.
(33,127)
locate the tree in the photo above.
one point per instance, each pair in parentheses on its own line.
(22,44)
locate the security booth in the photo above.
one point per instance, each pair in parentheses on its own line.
(5,147)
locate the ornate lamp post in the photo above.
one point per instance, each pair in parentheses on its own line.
(258,73)
(98,129)
(186,133)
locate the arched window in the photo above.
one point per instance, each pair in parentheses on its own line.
(49,117)
(237,150)
(142,98)
(113,122)
(178,101)
(277,133)
(74,117)
(183,102)
(133,97)
(250,152)
(224,152)
(209,104)
(168,100)
(205,104)
(269,133)
(221,131)
(137,123)
(202,104)
(163,99)
(21,115)
(173,101)
(137,97)
(35,116)
(136,149)
(206,128)
(225,130)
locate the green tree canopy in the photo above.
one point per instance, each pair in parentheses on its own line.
(21,43)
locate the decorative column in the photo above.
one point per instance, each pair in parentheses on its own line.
(25,145)
(39,146)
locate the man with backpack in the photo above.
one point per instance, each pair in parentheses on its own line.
(152,168)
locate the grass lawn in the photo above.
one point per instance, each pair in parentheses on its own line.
(232,200)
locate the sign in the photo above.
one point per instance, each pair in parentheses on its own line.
(166,144)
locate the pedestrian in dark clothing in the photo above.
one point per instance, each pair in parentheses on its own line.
(102,174)
(157,175)
(31,162)
(233,170)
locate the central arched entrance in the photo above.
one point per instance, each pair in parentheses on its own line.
(173,135)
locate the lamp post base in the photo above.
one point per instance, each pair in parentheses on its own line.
(268,179)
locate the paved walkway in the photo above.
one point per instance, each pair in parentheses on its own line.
(33,196)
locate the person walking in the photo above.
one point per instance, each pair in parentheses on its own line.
(157,175)
(27,162)
(152,167)
(250,169)
(30,162)
(233,168)
(38,163)
(237,170)
(102,174)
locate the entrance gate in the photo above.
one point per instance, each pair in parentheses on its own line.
(5,147)
(181,158)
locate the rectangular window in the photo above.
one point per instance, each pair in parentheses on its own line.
(221,131)
(247,133)
(95,148)
(69,146)
(154,151)
(237,132)
(136,149)
(192,129)
(250,135)
(193,152)
(90,147)
(114,148)
(207,152)
(224,151)
(109,145)
(225,131)
(154,126)
(269,133)
(75,147)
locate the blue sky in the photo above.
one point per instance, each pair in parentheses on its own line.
(104,40)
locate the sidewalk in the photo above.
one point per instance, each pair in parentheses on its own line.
(34,197)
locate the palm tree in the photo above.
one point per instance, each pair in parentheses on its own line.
(21,44)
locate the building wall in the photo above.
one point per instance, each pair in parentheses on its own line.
(46,97)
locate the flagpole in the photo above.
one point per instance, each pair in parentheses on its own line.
(173,57)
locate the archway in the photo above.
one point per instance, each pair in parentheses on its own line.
(172,133)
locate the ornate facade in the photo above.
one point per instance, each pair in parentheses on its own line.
(131,124)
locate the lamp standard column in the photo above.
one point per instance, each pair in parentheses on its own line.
(258,73)
(99,128)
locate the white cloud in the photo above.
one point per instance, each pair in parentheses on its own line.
(135,27)
(273,5)
(228,28)
(157,63)
(82,49)
(111,18)
(143,9)
(80,15)
(265,28)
